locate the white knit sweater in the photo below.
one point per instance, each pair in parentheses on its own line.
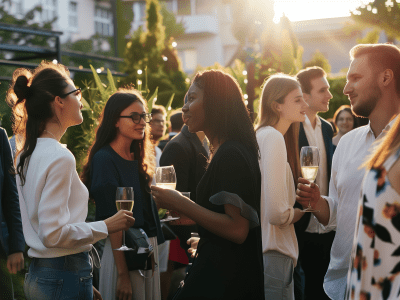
(54,204)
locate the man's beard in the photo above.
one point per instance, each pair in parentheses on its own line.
(366,107)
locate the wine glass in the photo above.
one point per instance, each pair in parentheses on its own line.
(124,201)
(309,161)
(165,177)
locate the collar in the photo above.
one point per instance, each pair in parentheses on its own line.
(173,133)
(308,122)
(387,127)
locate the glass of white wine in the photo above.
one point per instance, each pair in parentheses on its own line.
(165,177)
(309,161)
(124,201)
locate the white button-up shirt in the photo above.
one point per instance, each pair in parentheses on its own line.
(344,194)
(316,139)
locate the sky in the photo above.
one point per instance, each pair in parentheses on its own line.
(297,10)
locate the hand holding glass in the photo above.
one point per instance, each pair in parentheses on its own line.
(309,161)
(124,201)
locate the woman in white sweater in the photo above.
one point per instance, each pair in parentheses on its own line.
(281,108)
(53,200)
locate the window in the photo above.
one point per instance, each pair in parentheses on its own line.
(103,21)
(73,14)
(49,9)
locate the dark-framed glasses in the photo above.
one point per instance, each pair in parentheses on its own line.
(74,91)
(136,117)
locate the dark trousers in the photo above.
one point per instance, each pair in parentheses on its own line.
(315,257)
(6,286)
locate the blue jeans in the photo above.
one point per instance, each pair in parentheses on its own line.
(278,276)
(65,277)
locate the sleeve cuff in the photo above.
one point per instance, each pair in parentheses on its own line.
(289,220)
(332,215)
(246,211)
(100,230)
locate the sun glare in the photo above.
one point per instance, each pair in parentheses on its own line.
(298,10)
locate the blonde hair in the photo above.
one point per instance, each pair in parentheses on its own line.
(275,89)
(385,149)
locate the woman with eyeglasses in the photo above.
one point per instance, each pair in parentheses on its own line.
(53,200)
(123,156)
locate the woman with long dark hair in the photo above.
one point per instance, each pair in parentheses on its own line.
(53,200)
(123,156)
(282,107)
(228,263)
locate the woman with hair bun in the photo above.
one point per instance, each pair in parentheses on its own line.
(52,198)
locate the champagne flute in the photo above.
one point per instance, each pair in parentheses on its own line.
(124,201)
(309,161)
(165,178)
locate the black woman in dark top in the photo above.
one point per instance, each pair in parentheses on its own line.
(123,156)
(228,262)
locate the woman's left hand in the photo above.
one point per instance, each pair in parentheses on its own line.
(166,198)
(96,294)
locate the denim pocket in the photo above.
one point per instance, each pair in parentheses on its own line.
(42,288)
(86,287)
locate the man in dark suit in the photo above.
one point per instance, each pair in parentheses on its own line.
(189,158)
(314,243)
(176,122)
(12,243)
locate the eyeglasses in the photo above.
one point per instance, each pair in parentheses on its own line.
(65,95)
(136,117)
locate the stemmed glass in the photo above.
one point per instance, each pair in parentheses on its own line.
(124,201)
(309,161)
(165,178)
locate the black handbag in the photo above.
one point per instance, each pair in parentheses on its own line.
(142,256)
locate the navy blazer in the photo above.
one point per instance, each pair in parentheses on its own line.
(327,133)
(189,158)
(11,236)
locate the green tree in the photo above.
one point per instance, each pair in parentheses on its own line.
(372,37)
(151,61)
(382,14)
(319,60)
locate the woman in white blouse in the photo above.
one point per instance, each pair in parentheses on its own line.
(53,200)
(281,109)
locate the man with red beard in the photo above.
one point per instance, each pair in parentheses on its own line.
(373,88)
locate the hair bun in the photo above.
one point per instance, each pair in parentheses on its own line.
(21,88)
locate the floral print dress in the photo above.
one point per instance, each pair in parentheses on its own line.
(375,265)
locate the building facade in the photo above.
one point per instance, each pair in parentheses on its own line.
(208,36)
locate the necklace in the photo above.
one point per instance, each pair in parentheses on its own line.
(51,134)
